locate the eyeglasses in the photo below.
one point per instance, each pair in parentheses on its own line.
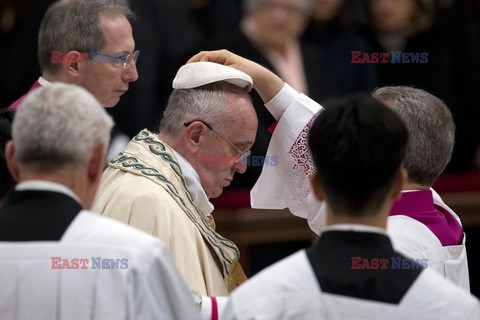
(121,60)
(243,155)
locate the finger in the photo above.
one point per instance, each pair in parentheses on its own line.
(218,56)
(198,57)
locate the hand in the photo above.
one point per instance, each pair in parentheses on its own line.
(265,82)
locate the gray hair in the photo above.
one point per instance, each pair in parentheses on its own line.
(75,25)
(306,6)
(59,126)
(431,130)
(208,103)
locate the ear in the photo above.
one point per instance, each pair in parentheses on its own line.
(194,134)
(96,165)
(317,187)
(400,181)
(71,62)
(12,162)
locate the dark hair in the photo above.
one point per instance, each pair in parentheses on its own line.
(357,145)
(6,181)
(75,25)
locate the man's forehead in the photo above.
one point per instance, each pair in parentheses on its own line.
(242,125)
(117,31)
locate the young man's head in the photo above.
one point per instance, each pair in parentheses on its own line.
(358,145)
(61,134)
(431,131)
(94,40)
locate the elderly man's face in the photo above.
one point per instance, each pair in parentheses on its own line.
(107,81)
(240,130)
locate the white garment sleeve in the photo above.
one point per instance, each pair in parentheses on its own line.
(287,184)
(211,310)
(160,291)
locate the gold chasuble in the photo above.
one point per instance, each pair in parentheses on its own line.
(144,187)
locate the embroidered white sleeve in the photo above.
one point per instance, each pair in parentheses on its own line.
(298,170)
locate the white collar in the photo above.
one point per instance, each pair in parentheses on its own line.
(354,227)
(194,185)
(46,186)
(44,82)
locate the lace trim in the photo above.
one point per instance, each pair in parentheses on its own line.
(298,170)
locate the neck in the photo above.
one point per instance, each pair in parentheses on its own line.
(55,77)
(376,219)
(172,142)
(415,186)
(281,49)
(64,177)
(175,144)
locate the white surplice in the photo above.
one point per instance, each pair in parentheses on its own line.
(290,290)
(287,186)
(148,287)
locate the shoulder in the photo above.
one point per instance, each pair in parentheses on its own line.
(114,179)
(439,202)
(88,227)
(125,190)
(441,298)
(276,285)
(410,236)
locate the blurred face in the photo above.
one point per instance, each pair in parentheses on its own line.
(326,10)
(392,15)
(279,21)
(239,130)
(107,81)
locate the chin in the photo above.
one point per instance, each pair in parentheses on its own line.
(215,194)
(111,104)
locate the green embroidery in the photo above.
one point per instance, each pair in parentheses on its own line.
(157,148)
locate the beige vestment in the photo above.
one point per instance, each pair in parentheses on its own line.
(144,187)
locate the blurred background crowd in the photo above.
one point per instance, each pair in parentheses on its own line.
(307,42)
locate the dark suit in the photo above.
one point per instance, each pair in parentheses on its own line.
(33,215)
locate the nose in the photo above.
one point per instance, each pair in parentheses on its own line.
(240,166)
(130,74)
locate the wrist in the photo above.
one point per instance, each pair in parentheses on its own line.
(267,84)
